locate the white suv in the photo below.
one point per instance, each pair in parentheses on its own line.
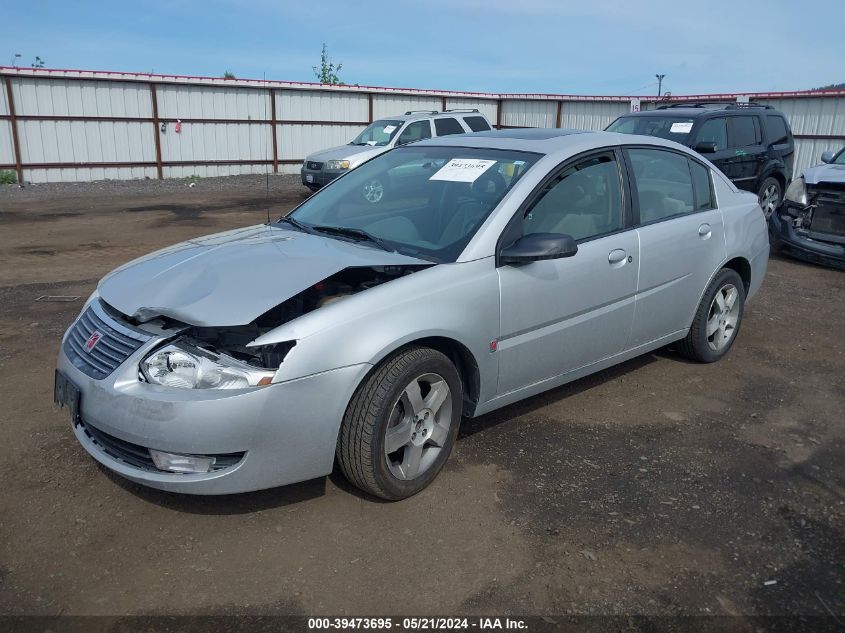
(322,167)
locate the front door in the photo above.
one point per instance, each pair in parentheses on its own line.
(560,315)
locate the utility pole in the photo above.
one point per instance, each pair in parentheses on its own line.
(659,85)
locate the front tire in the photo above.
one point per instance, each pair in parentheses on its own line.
(717,320)
(401,424)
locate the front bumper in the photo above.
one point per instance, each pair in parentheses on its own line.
(287,431)
(827,249)
(319,178)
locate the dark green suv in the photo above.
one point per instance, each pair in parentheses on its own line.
(752,144)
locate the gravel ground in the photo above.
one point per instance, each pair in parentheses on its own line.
(658,487)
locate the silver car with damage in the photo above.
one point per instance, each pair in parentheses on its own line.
(504,264)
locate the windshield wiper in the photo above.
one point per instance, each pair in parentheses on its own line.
(361,234)
(297,224)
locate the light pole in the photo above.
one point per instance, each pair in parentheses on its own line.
(659,85)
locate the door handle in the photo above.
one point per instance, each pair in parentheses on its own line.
(704,231)
(617,257)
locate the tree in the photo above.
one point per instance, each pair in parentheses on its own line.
(327,72)
(229,75)
(831,87)
(38,63)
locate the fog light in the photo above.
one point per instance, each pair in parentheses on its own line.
(181,463)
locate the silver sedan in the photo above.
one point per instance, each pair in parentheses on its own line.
(496,266)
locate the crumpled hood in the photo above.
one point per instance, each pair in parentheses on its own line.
(347,152)
(825,173)
(232,278)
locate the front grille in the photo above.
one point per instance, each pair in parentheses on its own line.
(117,341)
(138,456)
(313,165)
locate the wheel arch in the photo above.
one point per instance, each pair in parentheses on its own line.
(742,267)
(460,355)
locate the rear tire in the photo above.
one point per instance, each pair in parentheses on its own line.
(716,323)
(401,424)
(770,196)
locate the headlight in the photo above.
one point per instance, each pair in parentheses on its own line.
(193,368)
(797,192)
(337,164)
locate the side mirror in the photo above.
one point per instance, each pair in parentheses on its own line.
(705,147)
(535,247)
(400,141)
(827,157)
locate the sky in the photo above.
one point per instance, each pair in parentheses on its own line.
(591,47)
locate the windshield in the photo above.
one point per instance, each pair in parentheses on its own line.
(378,133)
(840,158)
(425,202)
(669,127)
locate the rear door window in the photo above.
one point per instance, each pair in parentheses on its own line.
(714,131)
(448,125)
(701,184)
(663,184)
(477,123)
(744,132)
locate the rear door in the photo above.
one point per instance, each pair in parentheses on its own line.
(749,154)
(559,315)
(681,235)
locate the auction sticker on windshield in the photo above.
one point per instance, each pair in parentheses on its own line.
(681,127)
(389,128)
(463,169)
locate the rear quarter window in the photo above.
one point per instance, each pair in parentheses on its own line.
(778,130)
(702,187)
(447,125)
(477,123)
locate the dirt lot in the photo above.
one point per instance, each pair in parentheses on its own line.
(658,487)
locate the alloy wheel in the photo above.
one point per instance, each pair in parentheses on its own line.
(722,318)
(418,427)
(769,200)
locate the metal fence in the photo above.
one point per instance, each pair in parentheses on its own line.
(69,125)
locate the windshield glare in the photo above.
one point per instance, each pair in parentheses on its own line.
(668,127)
(425,202)
(378,133)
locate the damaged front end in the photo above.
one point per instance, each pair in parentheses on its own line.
(811,223)
(225,357)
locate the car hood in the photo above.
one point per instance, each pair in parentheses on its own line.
(346,152)
(231,278)
(825,173)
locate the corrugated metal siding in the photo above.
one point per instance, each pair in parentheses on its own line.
(212,102)
(7,153)
(304,105)
(524,113)
(591,115)
(69,97)
(391,105)
(63,94)
(216,141)
(85,141)
(297,141)
(4,100)
(85,174)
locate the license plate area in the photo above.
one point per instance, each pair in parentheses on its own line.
(66,394)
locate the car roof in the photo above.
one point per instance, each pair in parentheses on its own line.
(703,110)
(546,140)
(416,116)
